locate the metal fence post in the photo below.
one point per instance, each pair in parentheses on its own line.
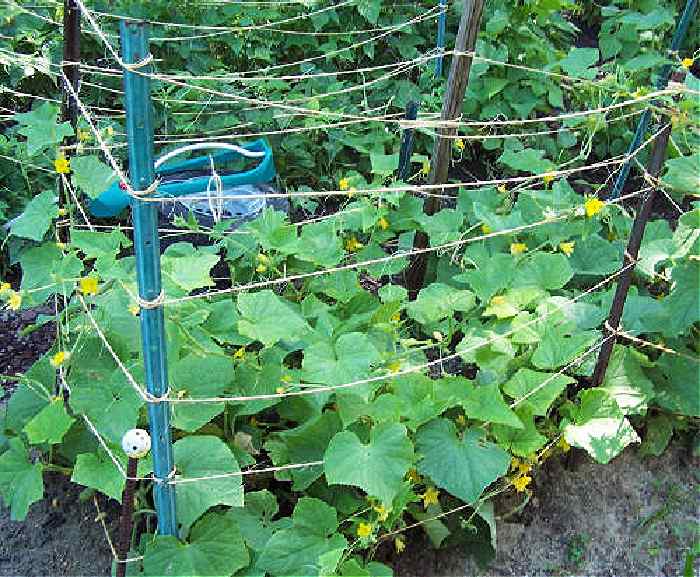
(139,128)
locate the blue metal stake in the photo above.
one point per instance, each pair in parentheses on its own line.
(406,150)
(442,26)
(139,129)
(661,83)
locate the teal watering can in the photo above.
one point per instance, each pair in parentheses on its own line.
(194,176)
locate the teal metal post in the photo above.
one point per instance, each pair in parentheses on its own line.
(442,28)
(139,129)
(661,83)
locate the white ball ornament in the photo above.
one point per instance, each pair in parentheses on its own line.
(136,443)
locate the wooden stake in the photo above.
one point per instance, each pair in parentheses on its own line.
(469,24)
(126,522)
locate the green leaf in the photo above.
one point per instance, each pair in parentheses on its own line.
(538,389)
(255,519)
(188,267)
(557,349)
(273,231)
(50,424)
(216,548)
(626,382)
(527,160)
(346,361)
(486,403)
(98,472)
(41,128)
(683,299)
(384,164)
(677,388)
(319,243)
(204,456)
(682,174)
(520,442)
(578,62)
(599,426)
(442,227)
(439,301)
(377,468)
(370,9)
(659,430)
(21,483)
(463,467)
(298,549)
(544,270)
(37,217)
(269,319)
(91,175)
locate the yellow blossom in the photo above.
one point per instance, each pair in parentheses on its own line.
(281,390)
(364,530)
(239,354)
(5,286)
(61,245)
(382,512)
(88,285)
(461,420)
(344,184)
(524,468)
(62,165)
(485,228)
(517,248)
(84,135)
(383,223)
(353,245)
(515,463)
(548,178)
(394,366)
(567,247)
(593,206)
(425,169)
(62,212)
(438,336)
(502,188)
(521,483)
(134,309)
(459,144)
(430,496)
(15,301)
(687,63)
(286,379)
(109,131)
(260,268)
(413,476)
(59,358)
(396,317)
(498,300)
(399,545)
(563,445)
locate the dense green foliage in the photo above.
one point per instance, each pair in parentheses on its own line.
(515,311)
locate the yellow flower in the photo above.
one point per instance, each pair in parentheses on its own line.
(239,354)
(399,545)
(593,206)
(382,512)
(62,212)
(502,188)
(88,285)
(364,530)
(498,300)
(59,358)
(394,366)
(260,268)
(461,420)
(134,309)
(396,317)
(281,390)
(344,184)
(413,476)
(687,63)
(521,483)
(62,165)
(524,468)
(548,178)
(109,131)
(425,169)
(430,496)
(485,229)
(438,336)
(567,247)
(15,301)
(517,248)
(286,379)
(5,286)
(515,463)
(383,223)
(353,245)
(60,245)
(563,445)
(84,135)
(262,257)
(459,144)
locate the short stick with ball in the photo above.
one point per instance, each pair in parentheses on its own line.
(136,444)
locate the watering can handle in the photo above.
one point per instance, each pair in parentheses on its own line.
(206,146)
